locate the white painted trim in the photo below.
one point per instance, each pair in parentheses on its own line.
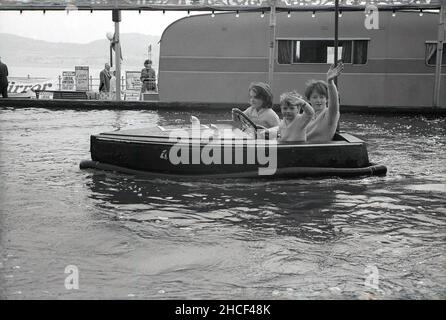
(315,38)
(306,73)
(265,58)
(208,57)
(378,58)
(231,72)
(368,74)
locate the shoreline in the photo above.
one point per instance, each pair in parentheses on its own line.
(61,104)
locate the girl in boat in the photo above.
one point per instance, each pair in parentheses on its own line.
(261,101)
(324,98)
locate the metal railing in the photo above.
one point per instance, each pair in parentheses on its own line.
(93,84)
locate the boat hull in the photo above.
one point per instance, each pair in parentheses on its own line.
(136,152)
(282,173)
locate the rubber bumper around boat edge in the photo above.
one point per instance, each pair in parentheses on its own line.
(293,172)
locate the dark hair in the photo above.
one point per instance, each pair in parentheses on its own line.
(263,92)
(148,61)
(316,85)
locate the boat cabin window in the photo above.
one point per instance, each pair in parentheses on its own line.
(321,51)
(431,54)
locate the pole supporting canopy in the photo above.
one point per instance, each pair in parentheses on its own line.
(116,15)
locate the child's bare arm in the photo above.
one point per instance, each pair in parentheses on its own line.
(307,108)
(333,96)
(308,112)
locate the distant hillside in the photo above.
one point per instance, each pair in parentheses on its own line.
(20,51)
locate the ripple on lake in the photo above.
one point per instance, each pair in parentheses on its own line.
(136,237)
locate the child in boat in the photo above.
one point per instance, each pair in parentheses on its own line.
(261,101)
(324,98)
(293,125)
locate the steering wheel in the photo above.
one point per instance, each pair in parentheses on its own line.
(245,124)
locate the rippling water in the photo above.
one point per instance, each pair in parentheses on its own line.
(138,238)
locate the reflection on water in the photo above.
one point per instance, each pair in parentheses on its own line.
(134,237)
(253,207)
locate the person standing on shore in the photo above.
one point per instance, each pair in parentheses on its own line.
(148,77)
(104,77)
(112,95)
(3,79)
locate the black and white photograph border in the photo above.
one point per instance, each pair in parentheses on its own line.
(234,153)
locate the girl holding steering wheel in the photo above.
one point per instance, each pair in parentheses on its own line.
(260,110)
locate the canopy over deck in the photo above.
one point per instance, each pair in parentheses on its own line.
(216,5)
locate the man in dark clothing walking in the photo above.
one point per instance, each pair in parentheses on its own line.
(104,79)
(3,79)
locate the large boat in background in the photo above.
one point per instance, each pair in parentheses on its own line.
(392,66)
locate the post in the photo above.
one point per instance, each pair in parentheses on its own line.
(116,19)
(336,41)
(272,44)
(336,37)
(111,55)
(439,61)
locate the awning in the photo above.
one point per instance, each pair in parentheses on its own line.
(216,5)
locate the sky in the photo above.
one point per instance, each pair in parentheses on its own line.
(83,26)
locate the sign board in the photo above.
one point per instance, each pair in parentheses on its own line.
(68,80)
(132,80)
(45,95)
(132,95)
(82,78)
(20,87)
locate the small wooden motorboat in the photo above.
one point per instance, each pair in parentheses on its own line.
(226,151)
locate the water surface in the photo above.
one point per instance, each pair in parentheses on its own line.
(140,238)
